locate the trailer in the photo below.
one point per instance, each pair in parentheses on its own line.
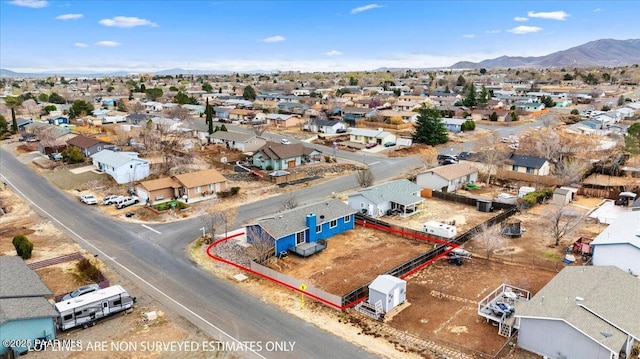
(85,310)
(439,229)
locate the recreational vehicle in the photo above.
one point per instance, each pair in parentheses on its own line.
(439,229)
(86,309)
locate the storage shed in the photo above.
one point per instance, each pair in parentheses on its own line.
(389,290)
(562,196)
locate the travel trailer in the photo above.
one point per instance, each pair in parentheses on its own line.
(86,309)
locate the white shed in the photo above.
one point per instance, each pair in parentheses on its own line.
(562,196)
(389,290)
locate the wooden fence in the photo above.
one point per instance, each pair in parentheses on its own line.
(529,178)
(288,178)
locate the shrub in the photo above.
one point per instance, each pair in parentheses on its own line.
(89,271)
(575,112)
(229,193)
(269,168)
(468,125)
(494,117)
(23,246)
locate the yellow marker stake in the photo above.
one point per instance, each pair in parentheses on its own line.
(302,287)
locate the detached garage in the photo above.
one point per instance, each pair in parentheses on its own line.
(389,290)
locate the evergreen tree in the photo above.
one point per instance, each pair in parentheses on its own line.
(209,116)
(13,102)
(484,98)
(470,100)
(429,128)
(249,93)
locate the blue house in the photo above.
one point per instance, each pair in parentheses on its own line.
(58,120)
(453,124)
(303,230)
(25,314)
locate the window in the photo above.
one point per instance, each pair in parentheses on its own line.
(318,228)
(299,238)
(67,317)
(514,168)
(531,170)
(333,223)
(347,219)
(117,302)
(197,189)
(362,205)
(210,186)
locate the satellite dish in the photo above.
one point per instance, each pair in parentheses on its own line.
(606,334)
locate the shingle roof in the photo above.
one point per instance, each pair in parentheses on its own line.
(528,161)
(160,183)
(83,141)
(594,299)
(232,136)
(200,178)
(25,308)
(18,280)
(294,221)
(399,191)
(326,122)
(277,151)
(625,229)
(456,170)
(114,159)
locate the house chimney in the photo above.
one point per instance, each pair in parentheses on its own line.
(311,224)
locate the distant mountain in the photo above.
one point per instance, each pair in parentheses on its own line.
(171,72)
(605,52)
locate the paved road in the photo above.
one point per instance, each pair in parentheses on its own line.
(159,266)
(158,263)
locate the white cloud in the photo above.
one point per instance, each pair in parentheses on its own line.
(493,31)
(107,43)
(126,22)
(30,3)
(80,45)
(276,38)
(69,17)
(333,53)
(365,8)
(597,9)
(520,19)
(524,29)
(468,36)
(552,15)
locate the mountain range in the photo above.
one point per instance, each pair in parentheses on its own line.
(604,52)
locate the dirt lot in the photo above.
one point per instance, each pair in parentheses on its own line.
(443,301)
(62,278)
(434,209)
(352,259)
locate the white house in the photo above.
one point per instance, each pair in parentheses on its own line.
(124,167)
(390,291)
(583,312)
(365,135)
(401,196)
(243,142)
(325,126)
(447,178)
(619,244)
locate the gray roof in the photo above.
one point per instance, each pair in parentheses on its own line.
(326,122)
(561,191)
(25,308)
(294,221)
(232,136)
(18,280)
(385,283)
(625,230)
(368,132)
(399,191)
(593,299)
(114,159)
(528,161)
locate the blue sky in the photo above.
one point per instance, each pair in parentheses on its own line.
(43,35)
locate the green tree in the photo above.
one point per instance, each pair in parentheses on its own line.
(575,112)
(57,99)
(484,98)
(621,100)
(13,102)
(223,128)
(249,93)
(153,93)
(461,81)
(23,246)
(353,81)
(121,106)
(181,98)
(207,87)
(4,126)
(143,88)
(43,97)
(483,71)
(208,110)
(568,77)
(80,108)
(632,139)
(470,100)
(429,128)
(468,125)
(493,117)
(548,101)
(173,88)
(49,108)
(514,116)
(73,155)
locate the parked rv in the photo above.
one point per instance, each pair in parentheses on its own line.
(439,229)
(85,310)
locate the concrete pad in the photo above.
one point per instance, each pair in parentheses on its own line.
(240,277)
(608,212)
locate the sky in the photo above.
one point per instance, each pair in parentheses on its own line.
(295,35)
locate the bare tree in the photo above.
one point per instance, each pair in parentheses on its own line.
(258,128)
(137,107)
(494,153)
(178,112)
(561,222)
(570,171)
(290,202)
(364,176)
(262,244)
(31,107)
(490,238)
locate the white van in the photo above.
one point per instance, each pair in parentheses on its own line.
(126,202)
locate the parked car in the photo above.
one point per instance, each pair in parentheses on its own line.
(55,156)
(341,130)
(371,145)
(111,199)
(285,141)
(389,144)
(81,291)
(88,199)
(126,202)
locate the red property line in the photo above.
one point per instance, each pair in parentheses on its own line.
(339,307)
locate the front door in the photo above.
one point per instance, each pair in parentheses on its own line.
(291,163)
